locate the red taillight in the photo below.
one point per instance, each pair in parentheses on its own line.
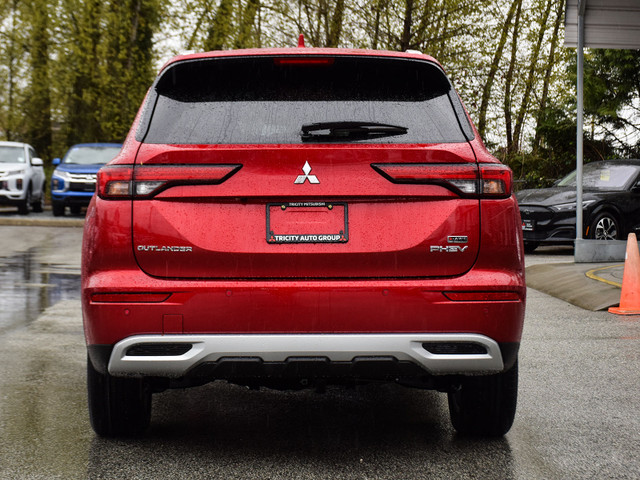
(115,181)
(461,178)
(467,180)
(145,181)
(497,180)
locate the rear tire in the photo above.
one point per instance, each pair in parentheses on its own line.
(485,405)
(117,406)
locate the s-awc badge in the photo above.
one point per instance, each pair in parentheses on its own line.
(307,222)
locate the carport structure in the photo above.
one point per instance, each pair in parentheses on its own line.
(597,24)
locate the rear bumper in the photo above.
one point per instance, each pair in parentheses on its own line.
(175,356)
(159,307)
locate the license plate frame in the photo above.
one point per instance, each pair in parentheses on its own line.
(339,226)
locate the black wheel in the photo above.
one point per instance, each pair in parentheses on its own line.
(25,205)
(605,226)
(117,406)
(485,405)
(75,209)
(38,205)
(57,208)
(530,246)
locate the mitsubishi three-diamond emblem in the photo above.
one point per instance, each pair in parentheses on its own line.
(307,169)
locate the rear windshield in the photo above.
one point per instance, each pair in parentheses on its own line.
(275,100)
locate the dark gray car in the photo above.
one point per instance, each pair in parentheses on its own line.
(611,203)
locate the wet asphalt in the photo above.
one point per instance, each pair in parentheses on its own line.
(577,415)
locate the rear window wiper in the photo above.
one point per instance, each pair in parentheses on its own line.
(318,132)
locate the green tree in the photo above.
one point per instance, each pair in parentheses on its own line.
(531,76)
(80,74)
(548,70)
(321,21)
(218,24)
(37,104)
(494,66)
(219,31)
(612,90)
(12,46)
(126,68)
(247,21)
(324,23)
(377,10)
(509,78)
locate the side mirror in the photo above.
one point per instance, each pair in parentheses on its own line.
(56,161)
(37,162)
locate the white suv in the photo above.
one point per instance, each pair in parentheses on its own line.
(22,180)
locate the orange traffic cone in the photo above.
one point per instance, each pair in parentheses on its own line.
(630,295)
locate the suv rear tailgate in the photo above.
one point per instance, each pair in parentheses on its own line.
(258,223)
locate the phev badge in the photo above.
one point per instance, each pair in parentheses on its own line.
(307,170)
(460,239)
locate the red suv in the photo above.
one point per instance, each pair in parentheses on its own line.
(291,218)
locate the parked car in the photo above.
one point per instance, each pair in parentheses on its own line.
(610,202)
(73,182)
(291,218)
(22,181)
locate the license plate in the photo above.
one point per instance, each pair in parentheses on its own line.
(307,222)
(528,225)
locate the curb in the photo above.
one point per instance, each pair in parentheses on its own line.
(40,221)
(10,217)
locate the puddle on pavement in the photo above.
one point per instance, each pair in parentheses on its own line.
(28,287)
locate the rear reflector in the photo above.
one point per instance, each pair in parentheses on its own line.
(467,180)
(482,296)
(120,182)
(129,297)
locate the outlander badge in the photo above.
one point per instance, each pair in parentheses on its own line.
(307,169)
